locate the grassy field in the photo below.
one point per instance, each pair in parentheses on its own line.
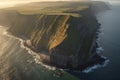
(52,8)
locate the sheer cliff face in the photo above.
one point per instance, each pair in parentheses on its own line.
(50,32)
(66,39)
(62,40)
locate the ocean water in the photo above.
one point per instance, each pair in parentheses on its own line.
(109,40)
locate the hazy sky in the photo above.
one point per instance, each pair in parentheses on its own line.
(10,3)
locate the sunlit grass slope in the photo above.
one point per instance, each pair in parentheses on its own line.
(52,8)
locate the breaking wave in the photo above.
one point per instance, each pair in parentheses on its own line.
(35,56)
(90,69)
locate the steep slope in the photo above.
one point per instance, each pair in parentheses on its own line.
(62,40)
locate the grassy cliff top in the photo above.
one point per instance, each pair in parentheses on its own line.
(51,8)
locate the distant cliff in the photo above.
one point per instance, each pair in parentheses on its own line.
(61,40)
(99,7)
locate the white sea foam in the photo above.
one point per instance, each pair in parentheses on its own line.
(99,50)
(35,56)
(90,69)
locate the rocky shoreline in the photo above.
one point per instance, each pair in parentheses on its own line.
(45,58)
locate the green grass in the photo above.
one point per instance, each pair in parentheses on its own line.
(54,8)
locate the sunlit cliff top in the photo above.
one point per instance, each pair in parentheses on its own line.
(51,8)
